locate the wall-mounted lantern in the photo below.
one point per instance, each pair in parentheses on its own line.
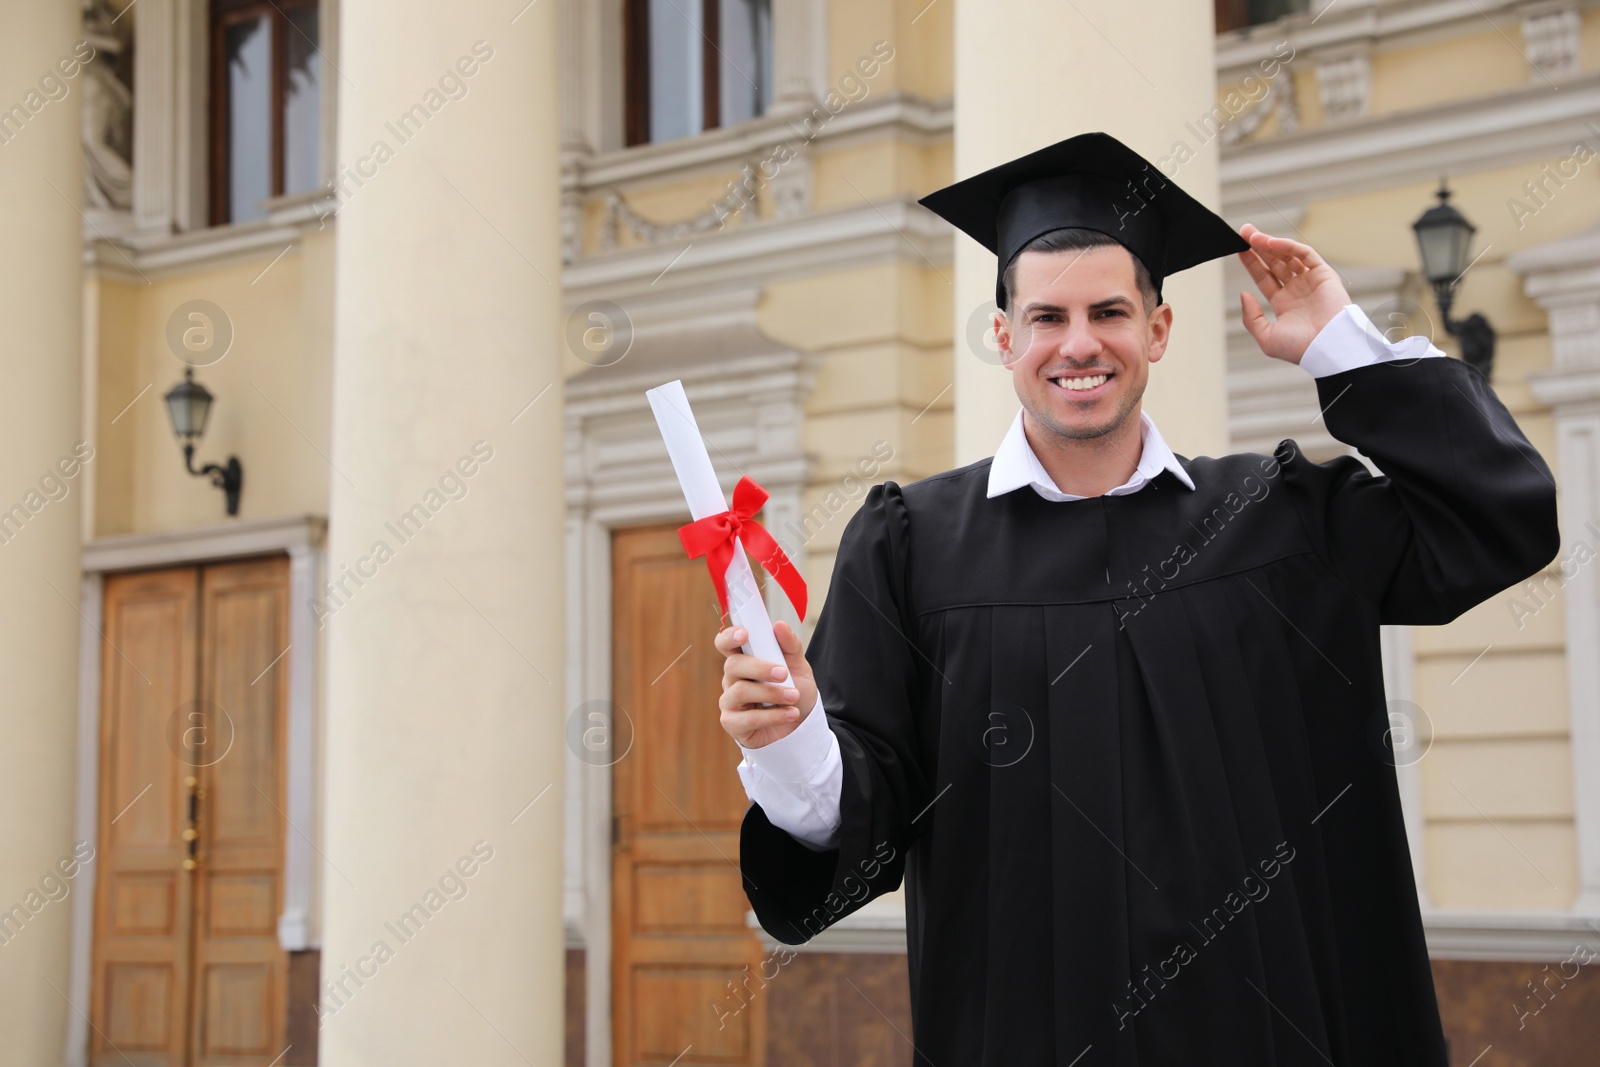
(1444,237)
(189,405)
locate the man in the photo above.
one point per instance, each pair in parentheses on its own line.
(1117,716)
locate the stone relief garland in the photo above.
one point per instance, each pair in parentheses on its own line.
(788,174)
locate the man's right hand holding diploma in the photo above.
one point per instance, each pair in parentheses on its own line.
(756,708)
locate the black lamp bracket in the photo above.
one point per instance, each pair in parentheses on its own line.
(229,478)
(1477,337)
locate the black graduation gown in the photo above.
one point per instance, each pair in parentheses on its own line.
(1130,753)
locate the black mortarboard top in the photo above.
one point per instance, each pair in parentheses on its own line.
(1095,182)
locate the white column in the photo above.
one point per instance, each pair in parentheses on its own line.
(297,920)
(799,35)
(1139,80)
(1564,278)
(1411,734)
(444,676)
(155,77)
(41,299)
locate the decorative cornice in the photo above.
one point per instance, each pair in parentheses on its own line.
(1533,937)
(1566,265)
(1482,133)
(1563,278)
(1342,23)
(725,149)
(767,250)
(1564,387)
(141,258)
(196,544)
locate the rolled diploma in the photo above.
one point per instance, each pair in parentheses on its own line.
(703,492)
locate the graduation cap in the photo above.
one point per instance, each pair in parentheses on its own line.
(1092,181)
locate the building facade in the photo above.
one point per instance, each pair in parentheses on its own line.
(438,702)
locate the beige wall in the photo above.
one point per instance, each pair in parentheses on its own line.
(883,347)
(272,388)
(920,32)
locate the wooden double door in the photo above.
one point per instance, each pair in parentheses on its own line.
(685,970)
(187,966)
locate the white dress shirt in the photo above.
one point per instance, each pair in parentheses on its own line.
(797,779)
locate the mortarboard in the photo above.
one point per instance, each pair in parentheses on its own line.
(1095,182)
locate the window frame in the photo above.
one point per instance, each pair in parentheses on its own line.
(636,69)
(1233,16)
(221,15)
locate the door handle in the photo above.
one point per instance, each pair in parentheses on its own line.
(191,830)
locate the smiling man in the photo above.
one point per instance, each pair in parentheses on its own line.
(1117,716)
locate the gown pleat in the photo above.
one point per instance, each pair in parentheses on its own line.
(1084,801)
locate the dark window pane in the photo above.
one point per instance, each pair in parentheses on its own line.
(1270,10)
(746,73)
(248,45)
(302,102)
(676,90)
(1238,14)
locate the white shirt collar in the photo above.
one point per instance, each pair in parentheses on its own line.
(1015,464)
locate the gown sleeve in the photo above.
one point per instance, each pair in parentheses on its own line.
(868,674)
(1464,508)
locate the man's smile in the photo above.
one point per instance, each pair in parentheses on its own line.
(1083,385)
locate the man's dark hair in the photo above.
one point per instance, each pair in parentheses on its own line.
(1074,239)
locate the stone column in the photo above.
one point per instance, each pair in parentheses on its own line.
(1140,80)
(798,32)
(41,300)
(443,749)
(1564,278)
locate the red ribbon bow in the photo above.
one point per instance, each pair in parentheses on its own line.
(713,537)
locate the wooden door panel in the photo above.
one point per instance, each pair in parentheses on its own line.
(186,962)
(150,677)
(239,1006)
(242,973)
(246,630)
(676,898)
(242,904)
(678,924)
(142,903)
(138,1001)
(677,1016)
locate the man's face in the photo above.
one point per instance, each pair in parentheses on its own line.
(1078,342)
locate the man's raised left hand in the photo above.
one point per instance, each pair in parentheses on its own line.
(1304,292)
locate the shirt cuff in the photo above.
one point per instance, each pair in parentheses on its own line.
(796,758)
(1350,340)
